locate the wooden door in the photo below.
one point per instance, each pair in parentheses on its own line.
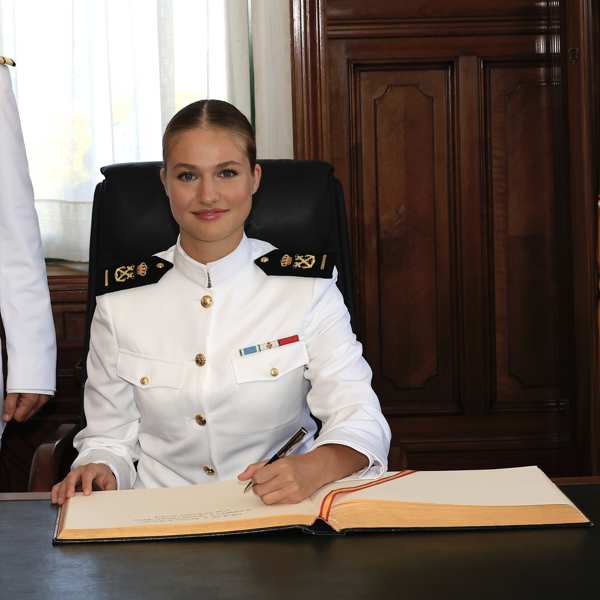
(452,127)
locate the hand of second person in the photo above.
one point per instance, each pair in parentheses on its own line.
(95,475)
(21,406)
(287,480)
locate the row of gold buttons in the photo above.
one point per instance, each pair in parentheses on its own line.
(200,360)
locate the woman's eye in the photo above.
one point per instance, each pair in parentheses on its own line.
(186,176)
(227,173)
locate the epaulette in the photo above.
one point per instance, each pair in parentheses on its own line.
(4,60)
(131,275)
(280,262)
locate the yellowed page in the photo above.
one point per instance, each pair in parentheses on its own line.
(220,502)
(520,486)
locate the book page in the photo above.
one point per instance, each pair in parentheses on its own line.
(223,501)
(482,487)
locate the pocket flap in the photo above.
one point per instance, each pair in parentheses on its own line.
(271,364)
(145,372)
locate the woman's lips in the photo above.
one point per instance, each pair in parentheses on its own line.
(209,215)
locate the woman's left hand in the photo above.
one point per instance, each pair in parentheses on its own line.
(294,478)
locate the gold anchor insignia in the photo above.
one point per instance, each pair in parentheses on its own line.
(304,261)
(142,269)
(286,260)
(124,273)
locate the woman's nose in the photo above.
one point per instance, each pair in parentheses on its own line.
(206,191)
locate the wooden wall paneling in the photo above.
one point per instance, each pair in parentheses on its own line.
(69,298)
(578,67)
(413,18)
(68,294)
(528,232)
(404,125)
(487,243)
(471,275)
(595,107)
(309,85)
(434,11)
(472,239)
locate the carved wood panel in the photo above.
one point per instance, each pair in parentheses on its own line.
(458,133)
(529,221)
(403,121)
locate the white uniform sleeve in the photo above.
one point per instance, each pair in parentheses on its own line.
(341,395)
(111,435)
(24,298)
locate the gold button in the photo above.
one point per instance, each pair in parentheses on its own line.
(200,360)
(206,301)
(200,420)
(160,265)
(274,372)
(145,380)
(208,470)
(264,259)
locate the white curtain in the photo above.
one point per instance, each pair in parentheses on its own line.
(271,44)
(97,80)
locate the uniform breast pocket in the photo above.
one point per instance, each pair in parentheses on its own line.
(271,386)
(270,365)
(157,388)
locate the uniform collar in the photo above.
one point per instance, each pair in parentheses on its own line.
(213,273)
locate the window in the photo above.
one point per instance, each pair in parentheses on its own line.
(97,80)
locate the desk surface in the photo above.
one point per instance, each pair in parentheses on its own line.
(534,563)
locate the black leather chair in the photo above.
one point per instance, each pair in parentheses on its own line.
(299,206)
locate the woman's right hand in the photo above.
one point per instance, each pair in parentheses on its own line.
(97,473)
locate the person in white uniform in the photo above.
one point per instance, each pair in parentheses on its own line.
(222,346)
(24,299)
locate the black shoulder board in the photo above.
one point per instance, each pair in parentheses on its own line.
(280,262)
(131,275)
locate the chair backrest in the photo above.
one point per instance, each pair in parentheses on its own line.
(299,206)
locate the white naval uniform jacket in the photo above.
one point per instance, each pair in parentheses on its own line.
(149,398)
(24,298)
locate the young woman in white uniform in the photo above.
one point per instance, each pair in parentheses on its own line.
(202,374)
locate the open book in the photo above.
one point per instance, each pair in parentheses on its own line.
(522,496)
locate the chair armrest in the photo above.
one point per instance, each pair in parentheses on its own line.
(53,459)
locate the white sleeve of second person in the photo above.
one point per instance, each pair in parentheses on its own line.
(341,395)
(24,298)
(111,434)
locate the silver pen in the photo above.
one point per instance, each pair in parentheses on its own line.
(293,441)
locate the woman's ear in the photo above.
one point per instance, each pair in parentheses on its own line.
(257,176)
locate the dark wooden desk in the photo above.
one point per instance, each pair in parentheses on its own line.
(536,563)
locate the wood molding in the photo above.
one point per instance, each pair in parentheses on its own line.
(462,26)
(309,83)
(579,89)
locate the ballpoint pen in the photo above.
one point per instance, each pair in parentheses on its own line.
(295,439)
